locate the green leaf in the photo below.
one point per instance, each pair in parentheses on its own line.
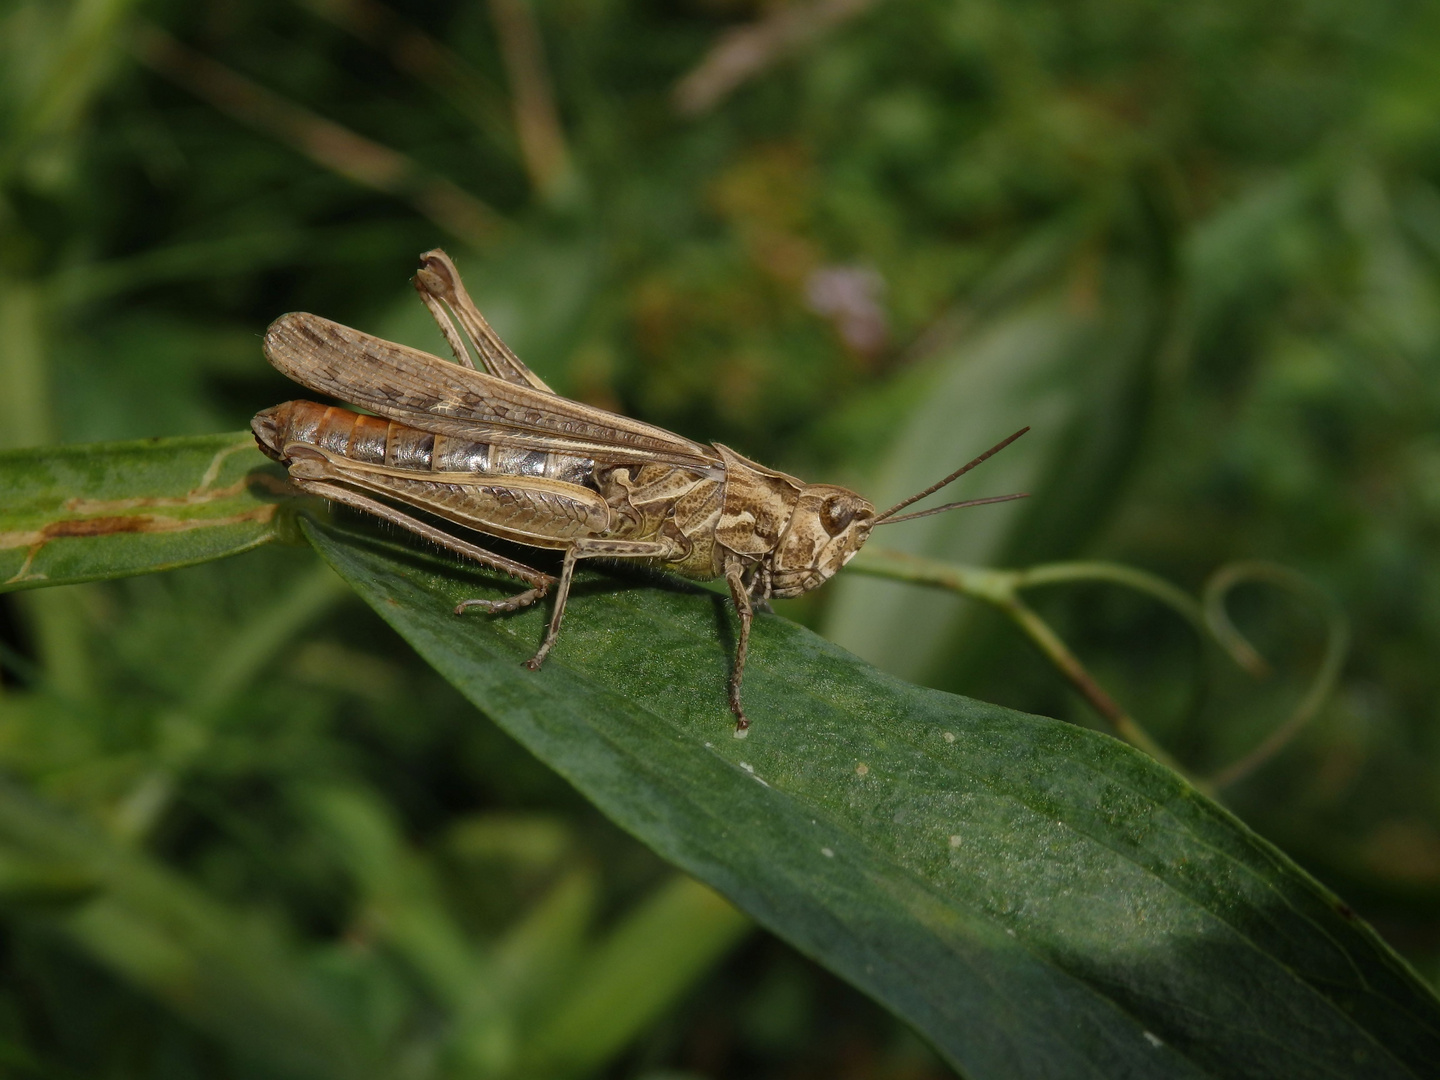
(1038,899)
(82,513)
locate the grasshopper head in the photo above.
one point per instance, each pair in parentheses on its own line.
(828,526)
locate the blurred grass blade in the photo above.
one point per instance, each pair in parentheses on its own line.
(1011,373)
(1077,371)
(324,142)
(468,89)
(226,972)
(74,66)
(402,896)
(649,960)
(24,386)
(1037,899)
(745,52)
(537,122)
(536,956)
(405,903)
(84,513)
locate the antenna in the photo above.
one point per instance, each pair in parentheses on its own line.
(887,519)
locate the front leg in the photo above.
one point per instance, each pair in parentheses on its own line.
(740,593)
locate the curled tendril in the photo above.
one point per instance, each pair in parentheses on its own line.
(1208,616)
(1337,644)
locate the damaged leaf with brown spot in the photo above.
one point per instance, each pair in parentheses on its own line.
(83,513)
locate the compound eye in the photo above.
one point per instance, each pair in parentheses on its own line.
(836,515)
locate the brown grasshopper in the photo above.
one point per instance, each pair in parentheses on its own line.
(500,453)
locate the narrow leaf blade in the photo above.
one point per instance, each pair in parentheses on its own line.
(1038,899)
(82,513)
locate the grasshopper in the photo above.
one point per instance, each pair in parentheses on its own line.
(500,453)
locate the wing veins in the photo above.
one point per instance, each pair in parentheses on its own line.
(426,392)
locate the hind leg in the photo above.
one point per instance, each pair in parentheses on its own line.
(306,474)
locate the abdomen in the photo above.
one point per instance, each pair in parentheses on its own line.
(373,440)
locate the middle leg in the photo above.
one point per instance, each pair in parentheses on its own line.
(735,575)
(592,548)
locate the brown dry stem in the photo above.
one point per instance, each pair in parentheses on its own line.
(743,53)
(324,142)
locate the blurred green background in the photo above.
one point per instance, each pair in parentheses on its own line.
(1196,246)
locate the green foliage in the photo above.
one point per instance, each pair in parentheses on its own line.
(952,858)
(946,856)
(132,508)
(245,831)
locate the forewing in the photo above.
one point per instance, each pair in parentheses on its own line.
(426,392)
